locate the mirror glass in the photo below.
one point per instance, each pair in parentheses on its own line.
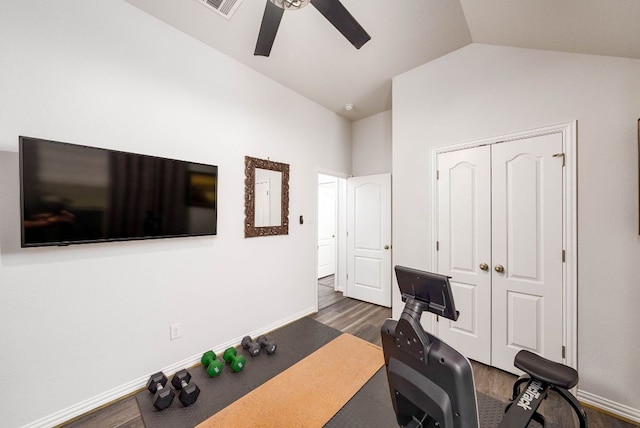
(266,198)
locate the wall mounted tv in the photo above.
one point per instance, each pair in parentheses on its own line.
(73,194)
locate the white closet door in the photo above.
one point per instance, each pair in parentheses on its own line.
(500,238)
(527,269)
(464,236)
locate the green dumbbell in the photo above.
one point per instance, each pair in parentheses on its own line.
(211,363)
(237,361)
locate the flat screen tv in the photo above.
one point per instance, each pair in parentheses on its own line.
(73,194)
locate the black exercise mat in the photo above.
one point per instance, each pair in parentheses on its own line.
(295,341)
(370,407)
(490,410)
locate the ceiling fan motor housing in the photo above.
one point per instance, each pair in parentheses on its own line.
(290,4)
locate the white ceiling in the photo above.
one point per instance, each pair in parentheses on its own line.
(311,57)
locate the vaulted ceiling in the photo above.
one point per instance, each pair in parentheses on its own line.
(312,58)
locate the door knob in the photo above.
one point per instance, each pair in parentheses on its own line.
(499,268)
(386,247)
(484,266)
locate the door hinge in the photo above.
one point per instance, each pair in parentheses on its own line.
(437,318)
(564,256)
(437,245)
(564,352)
(558,155)
(437,174)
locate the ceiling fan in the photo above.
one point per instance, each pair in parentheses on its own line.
(333,10)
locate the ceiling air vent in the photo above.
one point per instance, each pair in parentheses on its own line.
(225,8)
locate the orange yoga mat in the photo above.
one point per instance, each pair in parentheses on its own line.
(309,393)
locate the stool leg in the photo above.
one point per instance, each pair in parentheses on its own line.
(539,418)
(516,386)
(582,416)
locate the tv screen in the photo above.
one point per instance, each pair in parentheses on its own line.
(72,194)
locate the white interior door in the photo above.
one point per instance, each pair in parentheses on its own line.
(327,227)
(464,247)
(527,248)
(500,238)
(369,239)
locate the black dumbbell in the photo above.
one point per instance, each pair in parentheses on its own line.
(249,345)
(268,344)
(188,391)
(163,396)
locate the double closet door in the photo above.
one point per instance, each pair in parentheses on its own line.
(500,238)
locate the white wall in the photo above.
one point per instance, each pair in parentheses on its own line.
(482,91)
(81,325)
(372,145)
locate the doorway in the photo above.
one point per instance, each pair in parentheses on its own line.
(354,235)
(328,205)
(331,253)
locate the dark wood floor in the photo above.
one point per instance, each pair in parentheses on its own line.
(362,320)
(347,315)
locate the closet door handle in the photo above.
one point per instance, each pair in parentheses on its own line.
(499,268)
(484,266)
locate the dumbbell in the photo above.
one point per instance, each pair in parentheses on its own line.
(237,361)
(211,363)
(188,391)
(269,345)
(163,396)
(252,347)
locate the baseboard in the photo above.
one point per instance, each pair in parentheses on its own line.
(136,385)
(87,405)
(608,406)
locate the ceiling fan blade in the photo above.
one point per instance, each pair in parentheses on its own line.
(340,17)
(268,29)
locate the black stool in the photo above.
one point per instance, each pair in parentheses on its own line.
(540,376)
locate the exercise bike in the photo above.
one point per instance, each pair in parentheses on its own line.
(431,384)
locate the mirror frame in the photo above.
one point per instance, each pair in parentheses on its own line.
(250,230)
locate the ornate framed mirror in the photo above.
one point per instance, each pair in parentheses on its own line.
(266,198)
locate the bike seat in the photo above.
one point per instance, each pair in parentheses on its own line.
(545,370)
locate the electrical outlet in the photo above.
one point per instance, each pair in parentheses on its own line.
(175,331)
